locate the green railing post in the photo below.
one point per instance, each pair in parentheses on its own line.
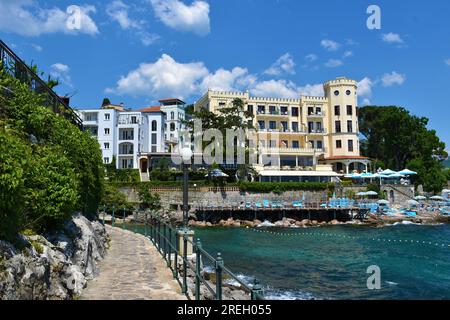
(198,268)
(113,216)
(159,237)
(219,267)
(164,241)
(169,248)
(175,260)
(123,219)
(145,225)
(185,246)
(257,291)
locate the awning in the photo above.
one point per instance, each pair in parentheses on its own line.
(280,173)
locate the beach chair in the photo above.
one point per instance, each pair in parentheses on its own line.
(258,205)
(248,205)
(266,204)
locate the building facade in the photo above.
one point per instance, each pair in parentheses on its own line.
(307,139)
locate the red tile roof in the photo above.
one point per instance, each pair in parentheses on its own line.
(151,109)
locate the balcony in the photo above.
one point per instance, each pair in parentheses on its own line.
(292,151)
(317,131)
(90,122)
(316,114)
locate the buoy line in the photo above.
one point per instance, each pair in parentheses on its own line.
(330,235)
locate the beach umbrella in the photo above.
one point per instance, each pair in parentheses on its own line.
(367,176)
(446,191)
(385,202)
(216,173)
(420,198)
(396,176)
(361,194)
(371,193)
(438,198)
(408,172)
(387,172)
(413,203)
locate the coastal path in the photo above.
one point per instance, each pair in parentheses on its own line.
(132,270)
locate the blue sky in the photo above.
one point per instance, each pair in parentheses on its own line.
(138,51)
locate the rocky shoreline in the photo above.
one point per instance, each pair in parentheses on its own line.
(371,220)
(55,266)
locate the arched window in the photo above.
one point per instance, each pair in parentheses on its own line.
(172,115)
(154,125)
(172,127)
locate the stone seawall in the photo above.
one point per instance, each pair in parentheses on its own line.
(56,267)
(172,199)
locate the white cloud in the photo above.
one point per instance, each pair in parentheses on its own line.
(447,62)
(61,72)
(330,45)
(311,57)
(347,54)
(314,90)
(119,12)
(164,78)
(37,47)
(333,63)
(365,88)
(276,89)
(179,16)
(225,80)
(284,65)
(27,18)
(392,38)
(393,78)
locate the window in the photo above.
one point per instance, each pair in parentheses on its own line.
(222,104)
(284,124)
(172,115)
(350,126)
(284,110)
(261,109)
(272,110)
(348,92)
(285,143)
(295,112)
(154,149)
(106,160)
(337,110)
(295,145)
(319,111)
(350,146)
(134,120)
(273,143)
(338,144)
(262,125)
(106,131)
(154,138)
(310,111)
(263,143)
(310,127)
(319,126)
(154,125)
(272,125)
(336,93)
(295,126)
(172,127)
(349,110)
(338,127)
(250,108)
(107,116)
(319,144)
(106,145)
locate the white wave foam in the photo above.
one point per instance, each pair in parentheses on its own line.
(266,224)
(288,295)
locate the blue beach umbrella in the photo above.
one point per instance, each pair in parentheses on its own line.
(408,172)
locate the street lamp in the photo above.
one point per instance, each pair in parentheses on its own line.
(186,156)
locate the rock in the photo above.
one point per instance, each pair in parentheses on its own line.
(236,224)
(314,223)
(279,224)
(335,222)
(54,267)
(249,224)
(209,224)
(257,222)
(306,222)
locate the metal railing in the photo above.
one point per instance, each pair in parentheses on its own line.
(15,67)
(172,243)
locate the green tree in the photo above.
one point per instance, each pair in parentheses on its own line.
(149,200)
(106,102)
(395,139)
(113,198)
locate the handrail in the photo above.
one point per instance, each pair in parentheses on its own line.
(22,71)
(166,240)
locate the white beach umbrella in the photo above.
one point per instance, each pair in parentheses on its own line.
(371,193)
(408,172)
(420,198)
(383,202)
(361,194)
(437,198)
(387,172)
(412,203)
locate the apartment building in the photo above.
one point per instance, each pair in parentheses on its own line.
(307,139)
(127,135)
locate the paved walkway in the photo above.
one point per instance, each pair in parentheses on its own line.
(132,270)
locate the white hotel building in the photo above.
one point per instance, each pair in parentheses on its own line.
(132,136)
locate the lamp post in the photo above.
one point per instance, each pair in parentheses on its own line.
(186,156)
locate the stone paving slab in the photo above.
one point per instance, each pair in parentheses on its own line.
(132,270)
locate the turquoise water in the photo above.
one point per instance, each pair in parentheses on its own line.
(331,263)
